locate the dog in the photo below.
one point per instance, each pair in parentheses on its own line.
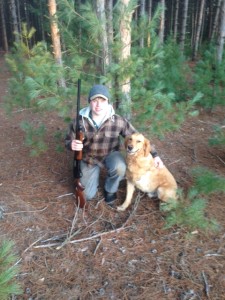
(142,173)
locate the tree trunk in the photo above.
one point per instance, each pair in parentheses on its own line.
(125,35)
(198,31)
(194,14)
(176,20)
(221,38)
(41,22)
(162,22)
(142,15)
(14,20)
(18,16)
(4,34)
(216,20)
(149,20)
(100,7)
(55,36)
(110,27)
(184,25)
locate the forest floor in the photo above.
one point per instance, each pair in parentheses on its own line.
(108,254)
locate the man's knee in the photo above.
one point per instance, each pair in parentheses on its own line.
(116,163)
(121,169)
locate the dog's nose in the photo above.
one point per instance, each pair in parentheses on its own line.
(129,148)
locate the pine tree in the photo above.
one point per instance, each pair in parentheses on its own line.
(209,79)
(190,210)
(8,271)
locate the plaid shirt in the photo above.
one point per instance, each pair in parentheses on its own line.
(98,143)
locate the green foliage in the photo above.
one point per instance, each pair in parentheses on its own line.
(160,91)
(8,271)
(191,215)
(219,136)
(209,78)
(207,182)
(81,49)
(36,77)
(158,113)
(35,85)
(158,80)
(34,138)
(190,211)
(173,72)
(159,86)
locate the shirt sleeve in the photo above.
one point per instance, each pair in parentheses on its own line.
(127,129)
(69,136)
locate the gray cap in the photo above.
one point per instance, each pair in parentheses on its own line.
(99,90)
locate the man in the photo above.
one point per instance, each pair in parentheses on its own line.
(102,129)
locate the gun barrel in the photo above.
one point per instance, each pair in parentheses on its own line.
(79,189)
(79,133)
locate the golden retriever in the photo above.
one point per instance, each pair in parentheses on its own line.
(142,173)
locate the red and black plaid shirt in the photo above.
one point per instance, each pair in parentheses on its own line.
(98,143)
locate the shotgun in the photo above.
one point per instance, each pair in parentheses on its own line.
(77,173)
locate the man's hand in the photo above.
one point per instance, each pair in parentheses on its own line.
(76,145)
(158,162)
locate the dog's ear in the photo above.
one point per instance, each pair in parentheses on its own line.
(147,147)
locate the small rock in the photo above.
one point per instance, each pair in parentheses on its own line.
(153,251)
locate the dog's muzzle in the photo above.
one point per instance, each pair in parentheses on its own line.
(130,150)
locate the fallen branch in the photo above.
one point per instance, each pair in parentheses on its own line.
(207,288)
(25,211)
(99,235)
(96,249)
(47,245)
(65,195)
(137,200)
(69,241)
(174,162)
(72,227)
(213,254)
(219,158)
(84,239)
(35,242)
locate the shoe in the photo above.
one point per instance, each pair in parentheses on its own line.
(110,197)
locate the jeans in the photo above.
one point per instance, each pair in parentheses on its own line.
(116,168)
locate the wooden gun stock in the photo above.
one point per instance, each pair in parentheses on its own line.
(81,201)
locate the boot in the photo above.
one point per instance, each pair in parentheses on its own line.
(109,197)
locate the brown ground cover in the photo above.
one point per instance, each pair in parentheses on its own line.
(108,255)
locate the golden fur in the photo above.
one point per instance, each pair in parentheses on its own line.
(142,173)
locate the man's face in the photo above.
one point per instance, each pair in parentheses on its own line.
(99,106)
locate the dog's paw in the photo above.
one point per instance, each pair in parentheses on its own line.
(121,208)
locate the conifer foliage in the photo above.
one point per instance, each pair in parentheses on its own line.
(8,271)
(190,211)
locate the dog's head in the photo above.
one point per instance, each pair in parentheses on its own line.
(137,143)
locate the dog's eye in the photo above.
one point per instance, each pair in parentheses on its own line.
(138,141)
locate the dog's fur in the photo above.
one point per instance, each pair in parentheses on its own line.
(142,173)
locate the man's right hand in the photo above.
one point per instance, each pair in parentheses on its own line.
(76,145)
